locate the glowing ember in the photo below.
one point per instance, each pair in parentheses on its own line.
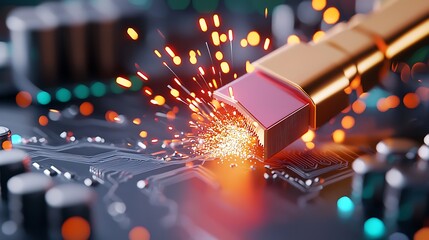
(228,135)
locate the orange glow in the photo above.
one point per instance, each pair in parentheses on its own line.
(215,38)
(318,5)
(266,44)
(318,35)
(203,24)
(266,12)
(253,38)
(171,115)
(338,136)
(216,20)
(310,145)
(123,82)
(76,228)
(411,100)
(382,105)
(86,108)
(169,51)
(139,233)
(358,107)
(143,134)
(147,91)
(308,136)
(133,34)
(422,234)
(137,121)
(23,99)
(348,122)
(331,15)
(293,39)
(142,75)
(43,120)
(111,116)
(6,145)
(392,101)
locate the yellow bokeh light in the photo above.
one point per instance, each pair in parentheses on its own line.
(318,5)
(160,100)
(243,43)
(293,39)
(203,24)
(174,92)
(318,35)
(219,55)
(143,134)
(249,67)
(225,67)
(347,122)
(253,38)
(338,136)
(331,15)
(177,60)
(308,136)
(133,34)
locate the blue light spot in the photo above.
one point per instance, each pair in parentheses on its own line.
(374,228)
(16,139)
(345,204)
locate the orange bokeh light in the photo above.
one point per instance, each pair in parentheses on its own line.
(139,233)
(23,99)
(86,108)
(76,228)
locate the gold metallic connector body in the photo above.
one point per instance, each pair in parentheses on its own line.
(359,52)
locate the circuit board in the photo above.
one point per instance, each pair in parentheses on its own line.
(172,193)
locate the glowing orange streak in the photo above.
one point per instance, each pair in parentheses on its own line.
(230,36)
(203,24)
(169,51)
(266,43)
(201,70)
(216,20)
(123,82)
(142,75)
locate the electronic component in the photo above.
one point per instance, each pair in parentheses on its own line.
(5,135)
(357,52)
(70,202)
(12,162)
(27,204)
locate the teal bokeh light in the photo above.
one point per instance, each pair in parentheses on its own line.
(63,95)
(43,98)
(374,228)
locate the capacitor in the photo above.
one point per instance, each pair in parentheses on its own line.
(369,183)
(5,135)
(69,202)
(407,198)
(398,151)
(12,162)
(27,205)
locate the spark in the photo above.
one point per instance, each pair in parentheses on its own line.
(133,34)
(123,82)
(203,24)
(227,136)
